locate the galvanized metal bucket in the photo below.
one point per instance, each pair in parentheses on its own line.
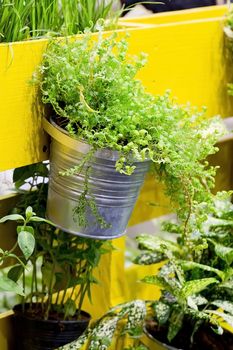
(115,194)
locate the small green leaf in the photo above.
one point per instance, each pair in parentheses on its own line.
(29,213)
(196,286)
(227,284)
(15,272)
(176,322)
(70,308)
(8,285)
(225,253)
(38,219)
(218,329)
(12,217)
(149,258)
(162,312)
(26,243)
(154,243)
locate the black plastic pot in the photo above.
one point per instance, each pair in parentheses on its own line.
(159,345)
(36,334)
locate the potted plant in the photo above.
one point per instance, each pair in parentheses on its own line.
(59,266)
(196,281)
(106,129)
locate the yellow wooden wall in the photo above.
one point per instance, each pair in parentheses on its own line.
(179,16)
(185,56)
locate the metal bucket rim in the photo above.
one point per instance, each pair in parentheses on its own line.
(63,137)
(84,235)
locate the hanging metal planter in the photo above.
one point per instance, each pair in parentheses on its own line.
(111,196)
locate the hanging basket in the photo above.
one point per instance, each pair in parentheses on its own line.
(114,194)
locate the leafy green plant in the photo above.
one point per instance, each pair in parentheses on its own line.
(197,278)
(125,319)
(22,20)
(59,262)
(95,95)
(196,282)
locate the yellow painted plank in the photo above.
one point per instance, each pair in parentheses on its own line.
(178,16)
(22,139)
(188,58)
(191,66)
(6,331)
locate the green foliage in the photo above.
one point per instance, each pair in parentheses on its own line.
(96,96)
(22,20)
(229,19)
(196,279)
(123,319)
(57,260)
(7,284)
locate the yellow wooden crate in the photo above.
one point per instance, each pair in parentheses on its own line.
(179,16)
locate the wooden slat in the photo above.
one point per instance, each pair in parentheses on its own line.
(22,139)
(179,16)
(6,328)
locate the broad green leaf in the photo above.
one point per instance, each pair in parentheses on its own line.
(26,243)
(195,301)
(176,322)
(103,333)
(8,285)
(160,282)
(135,318)
(225,253)
(15,272)
(25,228)
(225,305)
(162,312)
(154,243)
(212,221)
(196,286)
(12,217)
(79,343)
(70,308)
(149,258)
(189,265)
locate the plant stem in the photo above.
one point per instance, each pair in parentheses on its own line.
(50,293)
